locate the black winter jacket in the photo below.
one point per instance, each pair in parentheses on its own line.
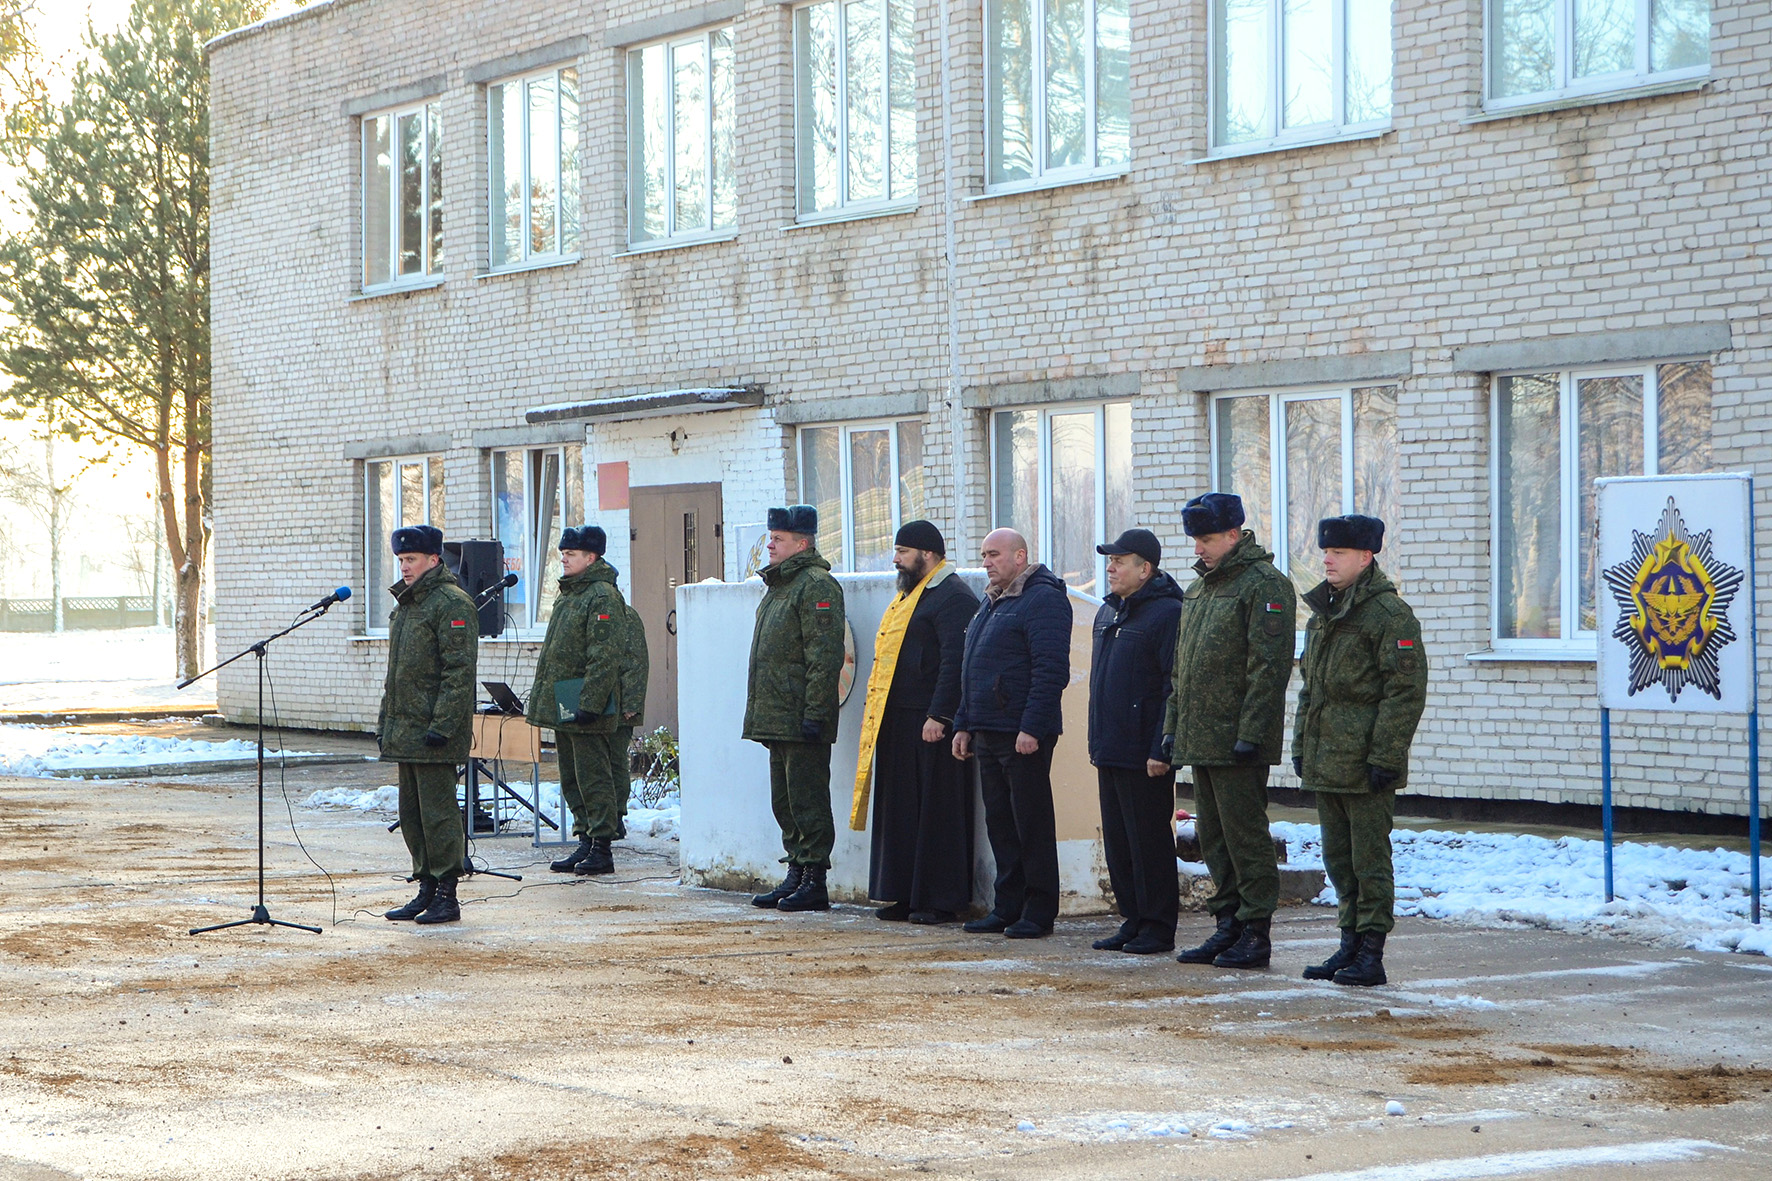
(927,678)
(1131,674)
(1018,659)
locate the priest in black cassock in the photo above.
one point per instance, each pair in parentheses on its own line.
(923,805)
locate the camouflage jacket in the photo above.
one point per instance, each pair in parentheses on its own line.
(583,640)
(796,652)
(1233,658)
(433,644)
(636,667)
(1365,685)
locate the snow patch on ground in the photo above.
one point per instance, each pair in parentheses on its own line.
(661,822)
(39,751)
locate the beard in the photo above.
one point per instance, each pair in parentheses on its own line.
(909,578)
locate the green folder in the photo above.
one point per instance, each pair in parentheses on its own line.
(566,695)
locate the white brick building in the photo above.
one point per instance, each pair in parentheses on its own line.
(1445,264)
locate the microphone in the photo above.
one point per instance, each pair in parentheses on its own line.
(337,596)
(508,580)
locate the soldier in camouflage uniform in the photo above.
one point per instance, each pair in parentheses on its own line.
(1365,685)
(636,667)
(1227,719)
(426,722)
(791,708)
(584,641)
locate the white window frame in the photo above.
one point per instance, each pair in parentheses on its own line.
(1565,84)
(637,146)
(1337,128)
(535,545)
(1043,543)
(845,559)
(845,208)
(374,544)
(432,272)
(493,197)
(1575,641)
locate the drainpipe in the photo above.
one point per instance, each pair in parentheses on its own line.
(961,542)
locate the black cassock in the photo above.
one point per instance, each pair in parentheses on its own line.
(923,796)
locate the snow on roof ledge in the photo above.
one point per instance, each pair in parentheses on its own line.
(271,22)
(651,405)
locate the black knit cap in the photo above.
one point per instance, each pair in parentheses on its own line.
(1215,512)
(1350,532)
(795,518)
(922,535)
(418,539)
(589,539)
(1142,542)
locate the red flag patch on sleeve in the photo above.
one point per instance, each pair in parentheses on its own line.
(822,606)
(602,617)
(458,623)
(1276,608)
(1405,643)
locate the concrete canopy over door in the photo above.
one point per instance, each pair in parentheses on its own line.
(676,538)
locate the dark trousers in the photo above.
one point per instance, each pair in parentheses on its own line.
(586,784)
(1231,807)
(1357,854)
(430,822)
(1138,840)
(1019,822)
(800,793)
(922,830)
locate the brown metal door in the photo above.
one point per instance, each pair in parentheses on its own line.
(676,536)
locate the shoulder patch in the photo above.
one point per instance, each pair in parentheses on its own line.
(1277,608)
(1405,643)
(822,606)
(603,616)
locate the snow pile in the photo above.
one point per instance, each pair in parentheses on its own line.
(39,751)
(661,822)
(365,799)
(1696,898)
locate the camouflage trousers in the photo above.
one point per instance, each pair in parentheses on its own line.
(1357,854)
(800,793)
(587,785)
(621,773)
(430,822)
(1231,820)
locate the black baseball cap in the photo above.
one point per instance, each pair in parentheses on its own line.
(1142,542)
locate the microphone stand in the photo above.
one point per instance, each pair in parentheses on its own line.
(260,914)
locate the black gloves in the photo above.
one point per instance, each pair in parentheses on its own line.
(1378,779)
(811,732)
(432,738)
(1298,765)
(1244,752)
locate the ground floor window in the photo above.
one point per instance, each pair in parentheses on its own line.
(1062,478)
(396,493)
(865,479)
(536,492)
(1298,457)
(1556,432)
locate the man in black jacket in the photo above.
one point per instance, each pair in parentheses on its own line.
(1130,677)
(922,855)
(1017,662)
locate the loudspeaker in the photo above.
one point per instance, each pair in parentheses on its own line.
(478,565)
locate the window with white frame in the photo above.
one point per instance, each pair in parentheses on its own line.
(1058,100)
(536,492)
(1540,50)
(402,197)
(680,117)
(1062,478)
(856,105)
(532,151)
(1297,457)
(396,493)
(865,479)
(1297,71)
(1555,434)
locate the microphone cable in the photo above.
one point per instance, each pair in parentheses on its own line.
(283,785)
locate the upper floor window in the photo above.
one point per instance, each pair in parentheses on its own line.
(402,196)
(536,492)
(680,117)
(396,493)
(532,150)
(1058,100)
(1295,71)
(856,116)
(1555,434)
(1062,478)
(1547,49)
(865,480)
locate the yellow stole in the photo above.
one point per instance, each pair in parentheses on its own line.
(887,643)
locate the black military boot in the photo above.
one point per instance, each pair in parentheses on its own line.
(443,908)
(789,884)
(570,862)
(1229,931)
(1344,955)
(810,894)
(427,889)
(1252,949)
(598,860)
(1368,966)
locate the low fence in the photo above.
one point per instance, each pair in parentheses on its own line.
(38,615)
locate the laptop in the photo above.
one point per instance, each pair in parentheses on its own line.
(504,700)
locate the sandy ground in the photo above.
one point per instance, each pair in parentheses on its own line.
(574,1028)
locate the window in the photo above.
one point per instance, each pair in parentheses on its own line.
(396,493)
(1063,480)
(856,112)
(402,197)
(1297,71)
(680,116)
(1547,49)
(1555,433)
(865,480)
(535,493)
(1296,458)
(1058,89)
(533,152)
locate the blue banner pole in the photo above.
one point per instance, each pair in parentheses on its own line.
(1606,791)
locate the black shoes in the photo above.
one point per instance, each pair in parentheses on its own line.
(1367,968)
(1025,929)
(1229,931)
(789,884)
(898,912)
(570,862)
(427,889)
(1148,945)
(443,907)
(991,924)
(1252,949)
(931,918)
(598,860)
(1115,942)
(810,894)
(1344,955)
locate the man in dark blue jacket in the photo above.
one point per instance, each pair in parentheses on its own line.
(1017,662)
(1130,677)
